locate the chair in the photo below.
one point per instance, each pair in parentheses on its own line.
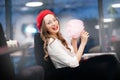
(39,54)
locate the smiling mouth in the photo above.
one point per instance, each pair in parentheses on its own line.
(55,28)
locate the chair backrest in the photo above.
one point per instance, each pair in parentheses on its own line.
(39,53)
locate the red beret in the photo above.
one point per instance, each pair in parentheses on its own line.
(41,15)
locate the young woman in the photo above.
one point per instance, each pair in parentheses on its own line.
(61,53)
(65,57)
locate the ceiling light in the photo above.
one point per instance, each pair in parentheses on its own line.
(108,20)
(34,4)
(116,5)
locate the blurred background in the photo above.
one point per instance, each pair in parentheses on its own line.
(101,19)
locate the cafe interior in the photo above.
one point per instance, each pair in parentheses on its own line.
(21,48)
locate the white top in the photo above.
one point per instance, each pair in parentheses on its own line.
(60,55)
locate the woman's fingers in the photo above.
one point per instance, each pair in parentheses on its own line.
(85,33)
(84,37)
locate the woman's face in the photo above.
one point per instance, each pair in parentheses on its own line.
(52,24)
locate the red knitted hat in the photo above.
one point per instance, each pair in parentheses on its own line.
(40,17)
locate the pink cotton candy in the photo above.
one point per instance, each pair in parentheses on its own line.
(74,28)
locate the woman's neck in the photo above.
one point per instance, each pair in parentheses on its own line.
(54,36)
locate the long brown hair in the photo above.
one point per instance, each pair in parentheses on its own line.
(45,35)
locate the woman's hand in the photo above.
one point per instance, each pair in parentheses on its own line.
(84,37)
